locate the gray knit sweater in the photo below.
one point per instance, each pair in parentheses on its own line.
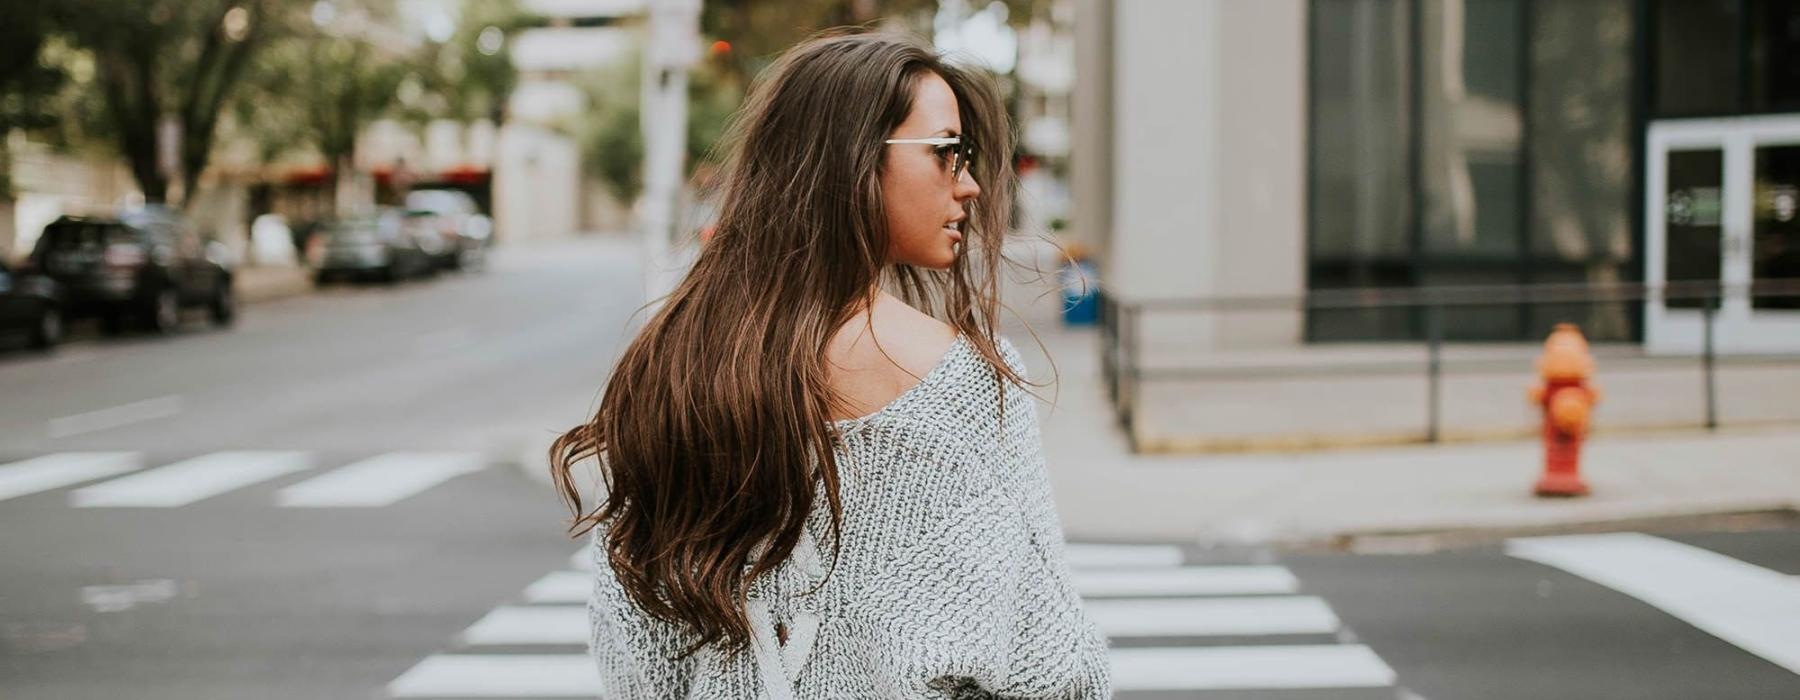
(951,582)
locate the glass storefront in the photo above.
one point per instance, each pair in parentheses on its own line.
(1475,142)
(1452,145)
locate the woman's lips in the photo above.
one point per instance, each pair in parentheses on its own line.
(954,234)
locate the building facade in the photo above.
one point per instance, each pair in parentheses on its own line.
(1293,148)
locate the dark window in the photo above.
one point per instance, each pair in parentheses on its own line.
(1775,56)
(1471,125)
(1582,162)
(1775,235)
(1698,51)
(1471,142)
(1693,217)
(1361,192)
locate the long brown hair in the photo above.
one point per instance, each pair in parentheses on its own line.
(714,419)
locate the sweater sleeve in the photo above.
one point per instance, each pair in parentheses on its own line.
(984,604)
(1055,623)
(634,652)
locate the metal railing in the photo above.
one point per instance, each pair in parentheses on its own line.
(1122,343)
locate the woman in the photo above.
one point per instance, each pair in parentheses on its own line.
(816,489)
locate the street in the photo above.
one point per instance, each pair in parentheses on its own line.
(325,501)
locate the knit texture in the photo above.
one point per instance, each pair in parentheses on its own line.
(952,580)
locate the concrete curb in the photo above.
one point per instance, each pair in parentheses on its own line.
(1745,515)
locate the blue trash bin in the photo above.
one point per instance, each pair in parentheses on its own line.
(1081,294)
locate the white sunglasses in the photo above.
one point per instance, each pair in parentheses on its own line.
(961,156)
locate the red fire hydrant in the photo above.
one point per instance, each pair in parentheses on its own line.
(1567,398)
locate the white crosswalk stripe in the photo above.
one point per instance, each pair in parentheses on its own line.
(1334,666)
(379,481)
(574,586)
(55,471)
(188,481)
(561,587)
(119,479)
(530,625)
(1094,556)
(1747,605)
(1133,592)
(499,676)
(1201,617)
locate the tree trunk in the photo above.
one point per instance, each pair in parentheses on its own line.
(131,100)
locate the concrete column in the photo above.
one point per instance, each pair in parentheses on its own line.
(1205,127)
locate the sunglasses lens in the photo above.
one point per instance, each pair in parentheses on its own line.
(965,156)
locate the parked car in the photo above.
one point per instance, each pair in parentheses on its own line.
(385,247)
(30,304)
(149,263)
(464,231)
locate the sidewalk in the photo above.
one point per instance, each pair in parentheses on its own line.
(264,283)
(1106,492)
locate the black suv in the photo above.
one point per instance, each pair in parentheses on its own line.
(149,263)
(31,304)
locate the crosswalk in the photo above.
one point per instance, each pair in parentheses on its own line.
(1176,630)
(126,479)
(1753,608)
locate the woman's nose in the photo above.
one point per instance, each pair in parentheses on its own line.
(965,187)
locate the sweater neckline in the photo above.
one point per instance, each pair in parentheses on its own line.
(931,377)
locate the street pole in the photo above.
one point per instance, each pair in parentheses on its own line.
(671,48)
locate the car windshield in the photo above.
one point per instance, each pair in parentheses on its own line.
(434,201)
(75,235)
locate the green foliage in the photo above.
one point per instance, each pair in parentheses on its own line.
(162,58)
(610,138)
(26,79)
(473,81)
(615,149)
(713,98)
(316,90)
(758,30)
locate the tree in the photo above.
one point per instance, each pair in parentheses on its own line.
(27,81)
(758,30)
(611,138)
(174,60)
(320,85)
(474,71)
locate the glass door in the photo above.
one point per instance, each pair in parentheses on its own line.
(1723,222)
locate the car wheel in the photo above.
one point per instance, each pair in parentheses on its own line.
(224,304)
(49,330)
(389,274)
(321,278)
(165,311)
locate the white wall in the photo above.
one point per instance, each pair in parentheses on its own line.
(1208,117)
(537,184)
(1091,155)
(1165,160)
(1262,154)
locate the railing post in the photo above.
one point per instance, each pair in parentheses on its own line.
(1434,367)
(1128,369)
(1706,362)
(1109,339)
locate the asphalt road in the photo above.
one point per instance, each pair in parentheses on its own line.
(321,503)
(246,591)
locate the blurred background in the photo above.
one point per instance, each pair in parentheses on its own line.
(294,295)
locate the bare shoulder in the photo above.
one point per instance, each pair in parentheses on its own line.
(880,354)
